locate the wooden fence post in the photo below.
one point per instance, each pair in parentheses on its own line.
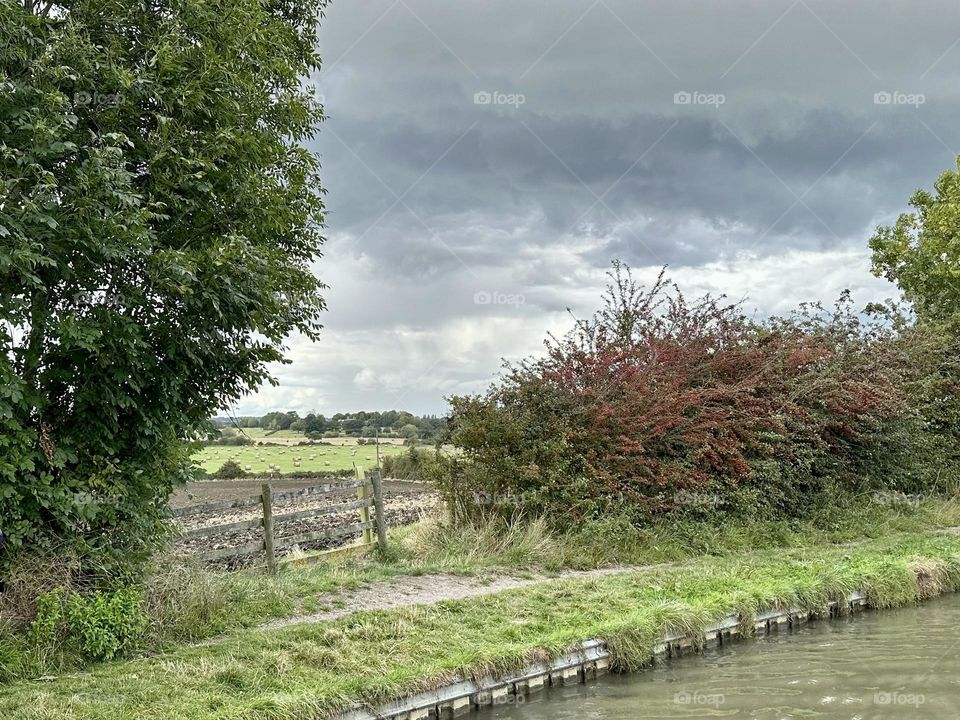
(378,508)
(366,535)
(266,496)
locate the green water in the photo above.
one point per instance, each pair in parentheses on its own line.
(891,664)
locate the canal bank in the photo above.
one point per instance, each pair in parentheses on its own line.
(894,664)
(370,658)
(590,660)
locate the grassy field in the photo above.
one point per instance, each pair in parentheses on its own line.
(314,670)
(311,458)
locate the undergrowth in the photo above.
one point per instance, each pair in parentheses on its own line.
(50,624)
(613,541)
(315,670)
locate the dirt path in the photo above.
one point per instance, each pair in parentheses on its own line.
(428,590)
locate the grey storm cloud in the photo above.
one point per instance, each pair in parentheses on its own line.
(514,148)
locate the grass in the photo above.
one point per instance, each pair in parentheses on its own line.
(311,671)
(187,603)
(311,458)
(612,542)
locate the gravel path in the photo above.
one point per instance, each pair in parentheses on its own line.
(428,590)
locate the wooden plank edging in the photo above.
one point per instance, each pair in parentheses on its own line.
(585,661)
(330,510)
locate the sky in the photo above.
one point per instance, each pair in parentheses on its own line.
(484,161)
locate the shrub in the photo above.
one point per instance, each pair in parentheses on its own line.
(105,624)
(660,405)
(232,441)
(99,625)
(412,465)
(229,470)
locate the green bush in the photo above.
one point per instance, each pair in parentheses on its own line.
(97,626)
(229,470)
(412,465)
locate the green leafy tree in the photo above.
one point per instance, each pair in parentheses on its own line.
(921,251)
(408,431)
(159,220)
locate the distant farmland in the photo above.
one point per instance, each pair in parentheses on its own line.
(311,458)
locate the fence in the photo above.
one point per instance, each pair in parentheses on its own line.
(267,499)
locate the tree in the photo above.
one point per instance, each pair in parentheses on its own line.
(921,251)
(315,424)
(159,219)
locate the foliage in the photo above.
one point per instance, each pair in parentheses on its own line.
(365,424)
(229,470)
(230,437)
(921,251)
(185,602)
(159,217)
(321,669)
(105,624)
(658,405)
(99,625)
(414,464)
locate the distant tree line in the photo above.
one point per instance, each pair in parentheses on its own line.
(392,423)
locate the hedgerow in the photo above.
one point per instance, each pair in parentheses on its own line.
(662,405)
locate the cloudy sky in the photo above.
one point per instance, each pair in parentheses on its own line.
(485,160)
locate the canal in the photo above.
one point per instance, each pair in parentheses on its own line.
(902,664)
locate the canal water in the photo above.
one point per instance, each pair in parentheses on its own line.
(902,664)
